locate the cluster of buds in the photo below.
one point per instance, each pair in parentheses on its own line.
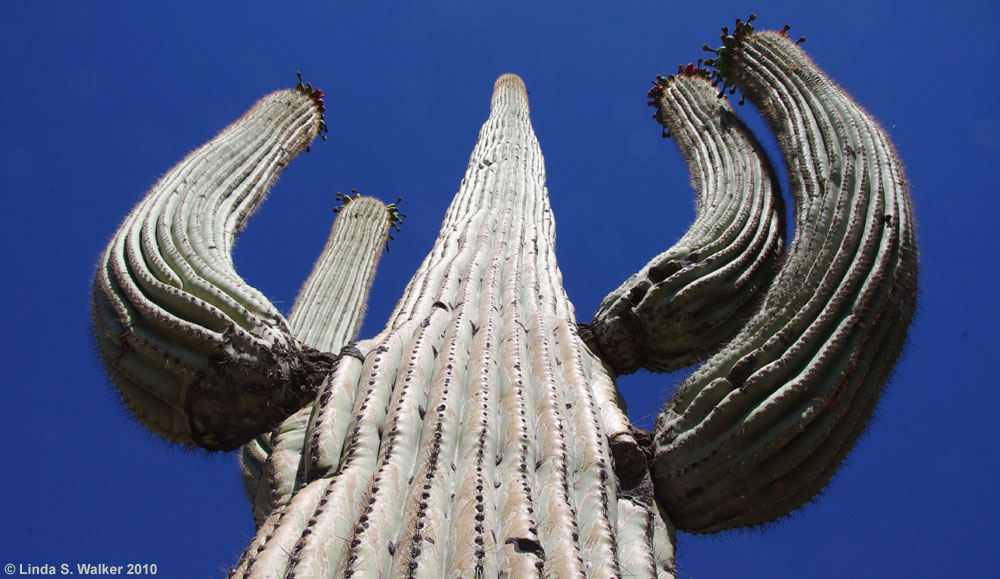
(345,199)
(725,55)
(395,219)
(316,95)
(722,64)
(662,82)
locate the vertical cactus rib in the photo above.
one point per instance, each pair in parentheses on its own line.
(271,464)
(763,425)
(688,301)
(198,355)
(468,438)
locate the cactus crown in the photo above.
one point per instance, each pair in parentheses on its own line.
(316,95)
(345,200)
(725,59)
(392,209)
(662,82)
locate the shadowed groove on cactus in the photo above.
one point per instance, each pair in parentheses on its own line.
(686,302)
(761,427)
(477,434)
(199,356)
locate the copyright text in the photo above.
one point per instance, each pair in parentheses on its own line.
(80,569)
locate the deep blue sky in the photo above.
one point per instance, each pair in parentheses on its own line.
(101,98)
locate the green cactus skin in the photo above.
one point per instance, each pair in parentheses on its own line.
(761,427)
(327,315)
(688,301)
(199,356)
(470,437)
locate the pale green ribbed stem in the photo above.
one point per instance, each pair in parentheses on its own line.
(685,303)
(199,356)
(762,426)
(470,438)
(331,305)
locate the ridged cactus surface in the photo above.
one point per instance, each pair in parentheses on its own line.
(326,316)
(481,433)
(761,427)
(199,356)
(470,438)
(328,311)
(687,301)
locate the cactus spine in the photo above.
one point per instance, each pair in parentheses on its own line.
(479,435)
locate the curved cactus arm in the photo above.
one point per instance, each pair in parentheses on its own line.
(759,430)
(199,356)
(468,438)
(688,301)
(326,316)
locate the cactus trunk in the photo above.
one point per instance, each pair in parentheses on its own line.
(471,436)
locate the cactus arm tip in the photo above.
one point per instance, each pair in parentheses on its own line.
(330,306)
(317,96)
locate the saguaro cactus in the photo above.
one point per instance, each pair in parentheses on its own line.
(480,434)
